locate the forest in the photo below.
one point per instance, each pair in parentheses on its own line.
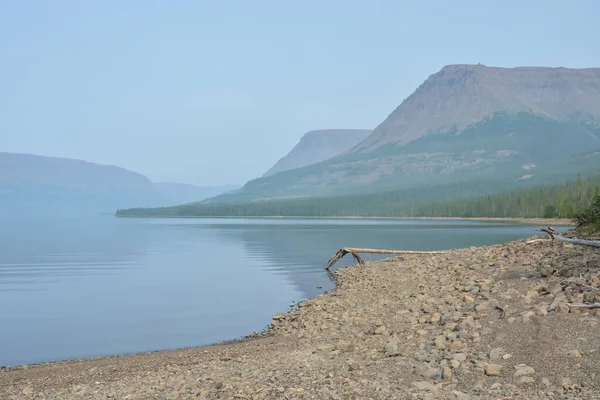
(544,201)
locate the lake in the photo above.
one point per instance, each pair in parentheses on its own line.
(77,288)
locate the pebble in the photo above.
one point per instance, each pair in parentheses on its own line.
(526,379)
(446,373)
(523,371)
(575,354)
(424,385)
(495,354)
(440,343)
(337,345)
(493,369)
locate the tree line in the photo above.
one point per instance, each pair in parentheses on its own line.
(544,201)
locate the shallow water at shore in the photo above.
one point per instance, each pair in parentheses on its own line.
(73,288)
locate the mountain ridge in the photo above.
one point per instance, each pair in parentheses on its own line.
(462,123)
(34,184)
(319,145)
(529,89)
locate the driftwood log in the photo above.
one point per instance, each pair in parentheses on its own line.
(559,238)
(591,305)
(355,251)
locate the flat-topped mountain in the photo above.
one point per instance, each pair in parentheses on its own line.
(465,123)
(317,146)
(461,95)
(31,184)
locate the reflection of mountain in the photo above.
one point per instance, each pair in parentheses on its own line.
(301,248)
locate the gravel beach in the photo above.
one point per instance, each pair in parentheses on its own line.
(497,322)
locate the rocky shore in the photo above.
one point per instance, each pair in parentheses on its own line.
(498,322)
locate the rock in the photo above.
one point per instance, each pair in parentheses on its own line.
(523,371)
(506,356)
(482,307)
(455,363)
(424,385)
(460,357)
(526,379)
(546,382)
(218,385)
(496,386)
(555,289)
(435,318)
(381,330)
(326,349)
(495,354)
(562,308)
(391,348)
(457,345)
(528,314)
(427,371)
(353,365)
(493,369)
(541,310)
(440,343)
(468,299)
(446,373)
(575,354)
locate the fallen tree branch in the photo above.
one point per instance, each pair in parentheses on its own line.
(581,285)
(592,305)
(556,236)
(354,251)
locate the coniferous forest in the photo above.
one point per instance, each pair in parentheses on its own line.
(544,201)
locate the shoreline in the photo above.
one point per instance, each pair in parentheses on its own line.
(377,318)
(524,221)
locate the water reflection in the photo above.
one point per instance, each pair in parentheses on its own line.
(88,287)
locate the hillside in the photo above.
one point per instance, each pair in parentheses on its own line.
(31,184)
(455,200)
(181,193)
(465,123)
(317,146)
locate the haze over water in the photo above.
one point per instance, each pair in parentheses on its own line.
(74,288)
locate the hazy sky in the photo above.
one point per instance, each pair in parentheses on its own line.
(212,92)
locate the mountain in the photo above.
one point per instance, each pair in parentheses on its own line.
(31,184)
(317,146)
(465,123)
(181,193)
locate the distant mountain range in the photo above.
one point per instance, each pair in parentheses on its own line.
(31,184)
(317,146)
(467,126)
(465,123)
(39,185)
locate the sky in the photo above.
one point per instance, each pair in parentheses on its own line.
(215,92)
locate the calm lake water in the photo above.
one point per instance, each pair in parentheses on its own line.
(74,288)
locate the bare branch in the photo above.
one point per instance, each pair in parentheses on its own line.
(355,251)
(592,305)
